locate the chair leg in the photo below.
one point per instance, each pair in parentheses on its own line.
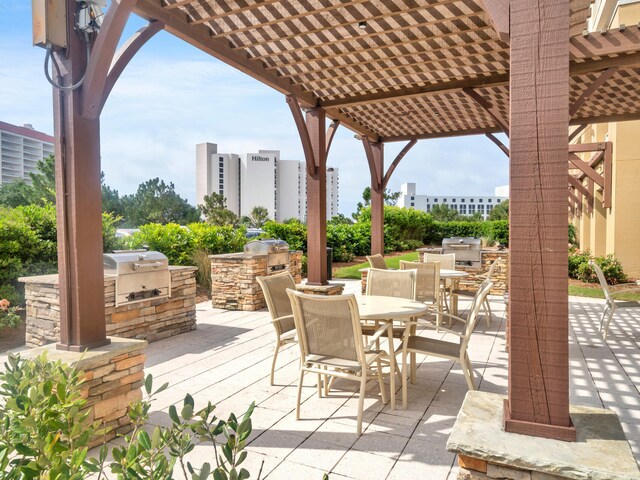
(488,307)
(381,380)
(413,367)
(604,316)
(319,385)
(299,396)
(363,388)
(606,325)
(273,363)
(467,369)
(404,378)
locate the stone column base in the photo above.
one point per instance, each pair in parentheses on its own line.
(486,452)
(329,289)
(114,375)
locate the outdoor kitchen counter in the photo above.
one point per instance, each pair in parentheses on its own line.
(151,319)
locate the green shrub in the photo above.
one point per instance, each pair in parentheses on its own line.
(45,431)
(294,233)
(8,314)
(498,231)
(217,239)
(580,269)
(175,242)
(573,238)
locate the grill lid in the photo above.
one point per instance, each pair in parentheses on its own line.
(266,246)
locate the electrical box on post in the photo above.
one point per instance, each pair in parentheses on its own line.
(49,23)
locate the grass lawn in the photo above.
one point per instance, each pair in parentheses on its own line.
(392,262)
(596,292)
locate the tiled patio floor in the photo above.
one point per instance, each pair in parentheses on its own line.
(227,361)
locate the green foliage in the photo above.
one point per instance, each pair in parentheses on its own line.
(216,212)
(175,242)
(17,193)
(44,181)
(157,202)
(348,241)
(500,211)
(580,269)
(111,202)
(390,200)
(154,454)
(45,431)
(215,239)
(294,233)
(109,226)
(444,213)
(573,239)
(257,217)
(340,219)
(44,423)
(497,231)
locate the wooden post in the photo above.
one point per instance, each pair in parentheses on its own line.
(78,207)
(538,401)
(377,199)
(317,200)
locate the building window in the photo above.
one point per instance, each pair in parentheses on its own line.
(453,200)
(444,200)
(471,200)
(435,200)
(428,208)
(472,209)
(481,208)
(463,209)
(489,201)
(462,200)
(413,204)
(412,197)
(479,200)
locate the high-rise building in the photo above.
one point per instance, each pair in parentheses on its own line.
(259,180)
(219,173)
(464,205)
(20,150)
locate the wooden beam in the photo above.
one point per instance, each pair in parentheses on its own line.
(573,181)
(499,144)
(351,124)
(93,86)
(587,147)
(426,136)
(502,122)
(124,55)
(396,161)
(199,36)
(608,176)
(538,382)
(586,169)
(375,158)
(577,131)
(612,42)
(305,139)
(628,57)
(330,133)
(591,89)
(495,79)
(498,13)
(78,205)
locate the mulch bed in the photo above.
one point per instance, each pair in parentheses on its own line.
(12,337)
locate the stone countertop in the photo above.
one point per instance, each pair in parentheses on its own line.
(240,256)
(600,452)
(483,250)
(52,279)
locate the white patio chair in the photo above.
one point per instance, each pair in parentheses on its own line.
(611,303)
(456,351)
(331,344)
(488,278)
(377,261)
(447,262)
(275,288)
(427,283)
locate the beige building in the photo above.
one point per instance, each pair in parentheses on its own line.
(614,230)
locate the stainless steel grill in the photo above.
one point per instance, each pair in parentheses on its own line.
(140,275)
(277,252)
(468,250)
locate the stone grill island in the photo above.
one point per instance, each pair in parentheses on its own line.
(150,320)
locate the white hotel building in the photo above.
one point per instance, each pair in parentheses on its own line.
(465,205)
(259,180)
(20,150)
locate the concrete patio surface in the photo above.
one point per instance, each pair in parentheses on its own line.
(227,361)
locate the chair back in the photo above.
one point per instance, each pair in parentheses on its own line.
(492,268)
(447,260)
(377,261)
(275,288)
(603,281)
(392,283)
(328,326)
(474,310)
(427,280)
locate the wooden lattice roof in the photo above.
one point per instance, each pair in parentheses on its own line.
(414,69)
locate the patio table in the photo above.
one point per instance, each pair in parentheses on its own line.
(454,277)
(387,310)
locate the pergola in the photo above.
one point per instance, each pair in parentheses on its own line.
(389,70)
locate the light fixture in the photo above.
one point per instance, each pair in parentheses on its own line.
(362,25)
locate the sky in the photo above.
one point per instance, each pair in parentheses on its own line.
(173,96)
